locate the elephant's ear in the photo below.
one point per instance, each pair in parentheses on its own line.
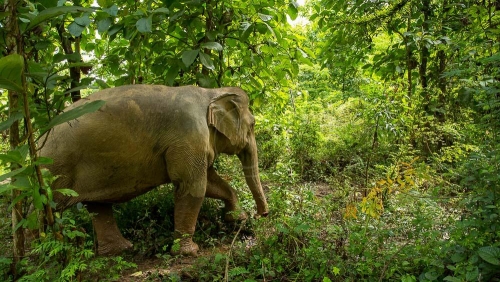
(224,114)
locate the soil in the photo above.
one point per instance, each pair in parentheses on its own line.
(157,269)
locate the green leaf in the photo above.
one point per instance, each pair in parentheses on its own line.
(67,192)
(206,61)
(293,12)
(43,161)
(104,3)
(172,73)
(270,29)
(6,124)
(11,70)
(83,20)
(103,25)
(431,275)
(213,46)
(162,10)
(77,88)
(75,113)
(53,12)
(265,18)
(490,254)
(102,84)
(112,11)
(246,30)
(189,56)
(11,173)
(238,271)
(452,279)
(145,24)
(75,29)
(472,275)
(336,270)
(37,199)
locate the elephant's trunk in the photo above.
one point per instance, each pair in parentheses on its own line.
(249,161)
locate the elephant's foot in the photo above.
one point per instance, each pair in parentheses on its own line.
(185,247)
(116,247)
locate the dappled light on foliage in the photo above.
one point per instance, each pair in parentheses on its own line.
(377,126)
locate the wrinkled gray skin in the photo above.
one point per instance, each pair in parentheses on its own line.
(147,135)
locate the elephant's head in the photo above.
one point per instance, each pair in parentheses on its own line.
(230,115)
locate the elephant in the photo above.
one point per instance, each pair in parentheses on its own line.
(148,135)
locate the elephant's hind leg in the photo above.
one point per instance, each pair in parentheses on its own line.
(218,188)
(109,238)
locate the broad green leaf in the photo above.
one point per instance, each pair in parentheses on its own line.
(12,173)
(162,10)
(246,30)
(490,254)
(452,279)
(67,192)
(213,46)
(206,61)
(292,10)
(37,199)
(472,274)
(47,3)
(11,69)
(43,161)
(75,113)
(102,84)
(172,73)
(16,156)
(4,188)
(103,25)
(145,24)
(53,12)
(265,18)
(77,88)
(189,56)
(104,3)
(75,29)
(59,57)
(12,157)
(22,182)
(112,11)
(6,124)
(271,30)
(114,29)
(83,20)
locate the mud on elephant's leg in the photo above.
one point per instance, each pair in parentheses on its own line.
(109,238)
(186,212)
(218,188)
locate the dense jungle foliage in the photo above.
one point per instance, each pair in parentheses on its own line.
(377,125)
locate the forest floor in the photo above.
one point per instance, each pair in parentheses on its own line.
(156,269)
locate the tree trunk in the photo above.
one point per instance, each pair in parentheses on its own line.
(14,46)
(424,54)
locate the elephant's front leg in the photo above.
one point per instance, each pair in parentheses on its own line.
(218,188)
(186,212)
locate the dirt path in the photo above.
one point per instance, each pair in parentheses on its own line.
(157,269)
